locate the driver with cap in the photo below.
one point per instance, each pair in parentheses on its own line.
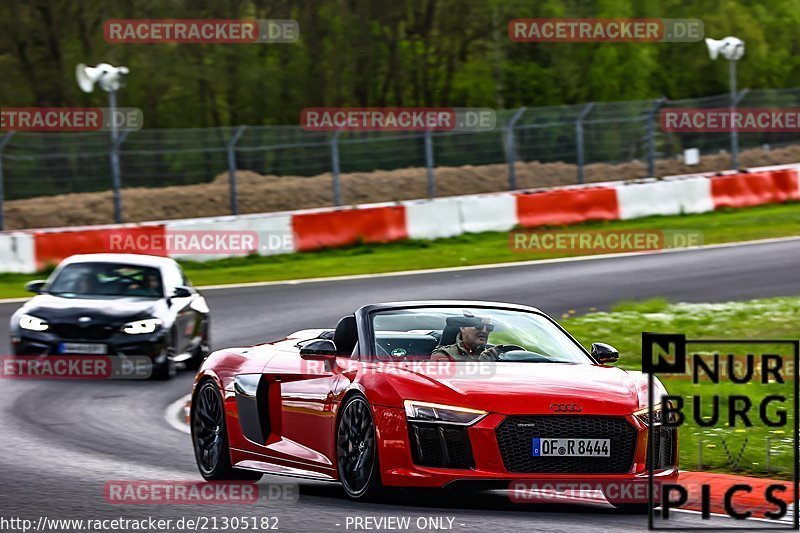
(471,342)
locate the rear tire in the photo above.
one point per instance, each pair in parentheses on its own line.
(210,437)
(357,450)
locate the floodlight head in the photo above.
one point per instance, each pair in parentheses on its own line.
(731,48)
(108,77)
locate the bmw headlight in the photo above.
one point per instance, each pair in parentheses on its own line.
(433,412)
(148,325)
(33,323)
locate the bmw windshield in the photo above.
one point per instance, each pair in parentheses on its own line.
(472,334)
(89,280)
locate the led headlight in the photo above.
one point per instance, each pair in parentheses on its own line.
(32,323)
(148,325)
(658,415)
(433,412)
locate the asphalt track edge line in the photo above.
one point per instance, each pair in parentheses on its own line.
(445,270)
(495,265)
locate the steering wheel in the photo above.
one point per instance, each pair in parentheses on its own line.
(503,348)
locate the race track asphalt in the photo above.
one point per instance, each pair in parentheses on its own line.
(62,441)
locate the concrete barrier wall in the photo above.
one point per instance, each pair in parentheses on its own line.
(665,197)
(313,229)
(17,253)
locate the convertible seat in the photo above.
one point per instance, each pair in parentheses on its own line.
(345,335)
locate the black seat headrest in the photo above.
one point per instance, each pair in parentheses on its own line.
(346,335)
(449,334)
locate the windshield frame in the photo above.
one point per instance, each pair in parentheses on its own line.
(366,333)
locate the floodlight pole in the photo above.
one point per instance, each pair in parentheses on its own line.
(116,181)
(734,132)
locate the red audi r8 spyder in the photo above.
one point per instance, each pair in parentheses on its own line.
(509,395)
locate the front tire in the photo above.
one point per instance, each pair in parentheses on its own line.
(210,437)
(164,371)
(357,450)
(202,351)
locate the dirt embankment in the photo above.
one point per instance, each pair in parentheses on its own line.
(259,194)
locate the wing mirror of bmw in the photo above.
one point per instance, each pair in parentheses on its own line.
(181,292)
(604,353)
(35,286)
(319,350)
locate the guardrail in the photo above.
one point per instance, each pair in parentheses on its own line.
(29,251)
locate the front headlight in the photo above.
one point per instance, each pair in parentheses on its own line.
(658,415)
(148,325)
(33,323)
(433,412)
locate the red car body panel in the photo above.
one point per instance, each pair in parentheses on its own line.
(304,396)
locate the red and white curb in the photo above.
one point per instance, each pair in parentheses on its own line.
(177,414)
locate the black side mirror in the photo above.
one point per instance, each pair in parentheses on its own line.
(182,292)
(35,286)
(319,350)
(604,353)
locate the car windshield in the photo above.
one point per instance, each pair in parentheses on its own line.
(463,334)
(107,279)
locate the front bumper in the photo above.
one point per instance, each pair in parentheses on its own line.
(400,464)
(152,345)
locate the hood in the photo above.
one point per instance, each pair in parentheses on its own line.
(524,388)
(113,309)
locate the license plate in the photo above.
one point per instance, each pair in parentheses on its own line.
(82,348)
(544,447)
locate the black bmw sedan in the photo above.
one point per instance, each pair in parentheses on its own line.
(115,304)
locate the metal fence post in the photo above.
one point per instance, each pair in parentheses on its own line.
(337,193)
(232,168)
(116,179)
(3,142)
(579,138)
(651,133)
(429,163)
(735,99)
(511,149)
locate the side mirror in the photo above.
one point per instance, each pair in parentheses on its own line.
(604,353)
(181,292)
(319,350)
(35,286)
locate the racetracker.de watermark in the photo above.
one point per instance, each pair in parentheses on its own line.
(621,30)
(161,492)
(601,241)
(398,119)
(421,366)
(69,367)
(51,119)
(200,242)
(726,120)
(191,31)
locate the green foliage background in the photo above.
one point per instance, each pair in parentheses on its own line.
(382,52)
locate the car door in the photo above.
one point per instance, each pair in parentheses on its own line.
(186,322)
(307,392)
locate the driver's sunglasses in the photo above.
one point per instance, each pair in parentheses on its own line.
(489,327)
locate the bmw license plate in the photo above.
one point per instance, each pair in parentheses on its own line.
(544,447)
(83,348)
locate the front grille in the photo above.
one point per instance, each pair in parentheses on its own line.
(516,433)
(440,445)
(94,332)
(664,443)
